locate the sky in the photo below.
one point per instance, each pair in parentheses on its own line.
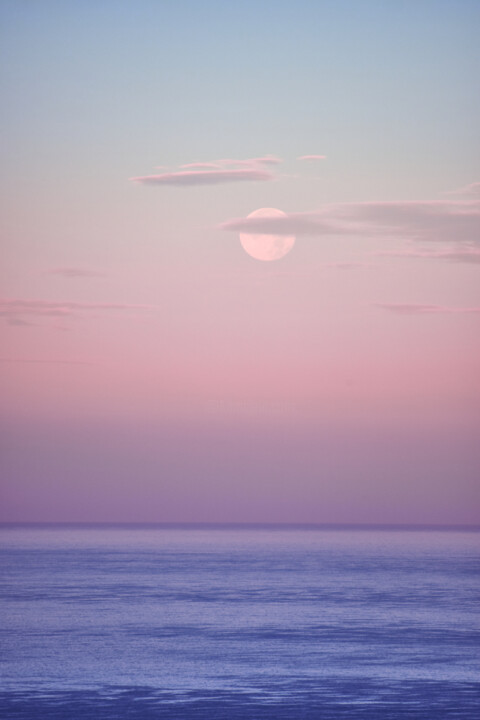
(151,369)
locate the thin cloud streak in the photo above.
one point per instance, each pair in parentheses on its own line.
(25,361)
(15,310)
(267,160)
(74,272)
(198,166)
(312,158)
(18,322)
(419,309)
(186,178)
(347,265)
(471,189)
(462,255)
(264,160)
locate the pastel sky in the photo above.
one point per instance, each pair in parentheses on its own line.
(151,369)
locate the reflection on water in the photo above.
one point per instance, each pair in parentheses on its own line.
(227,623)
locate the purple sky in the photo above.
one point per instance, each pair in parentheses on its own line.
(151,369)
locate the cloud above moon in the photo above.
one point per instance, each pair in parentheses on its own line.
(186,178)
(288,224)
(225,170)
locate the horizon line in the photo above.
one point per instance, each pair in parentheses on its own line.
(193,525)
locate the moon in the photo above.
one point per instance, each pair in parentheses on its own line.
(267,247)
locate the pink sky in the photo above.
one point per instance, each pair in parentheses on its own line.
(151,369)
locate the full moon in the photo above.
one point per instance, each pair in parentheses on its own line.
(267,247)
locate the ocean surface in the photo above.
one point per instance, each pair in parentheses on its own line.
(155,622)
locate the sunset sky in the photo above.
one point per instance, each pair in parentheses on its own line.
(151,369)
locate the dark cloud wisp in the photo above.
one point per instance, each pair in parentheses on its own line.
(15,311)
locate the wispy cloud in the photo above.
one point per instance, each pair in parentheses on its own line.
(471,189)
(250,162)
(264,160)
(461,255)
(19,322)
(432,221)
(224,170)
(74,272)
(199,166)
(418,309)
(312,158)
(347,265)
(185,178)
(26,361)
(15,311)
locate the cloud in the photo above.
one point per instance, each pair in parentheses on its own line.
(199,166)
(312,158)
(264,160)
(186,178)
(418,309)
(432,221)
(15,311)
(288,224)
(214,172)
(462,254)
(472,189)
(14,320)
(25,361)
(74,272)
(347,265)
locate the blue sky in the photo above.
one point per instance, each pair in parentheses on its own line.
(379,84)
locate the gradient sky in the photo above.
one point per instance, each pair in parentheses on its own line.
(151,369)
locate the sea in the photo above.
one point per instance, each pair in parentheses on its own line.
(239,622)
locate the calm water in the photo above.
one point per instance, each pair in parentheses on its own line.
(239,623)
